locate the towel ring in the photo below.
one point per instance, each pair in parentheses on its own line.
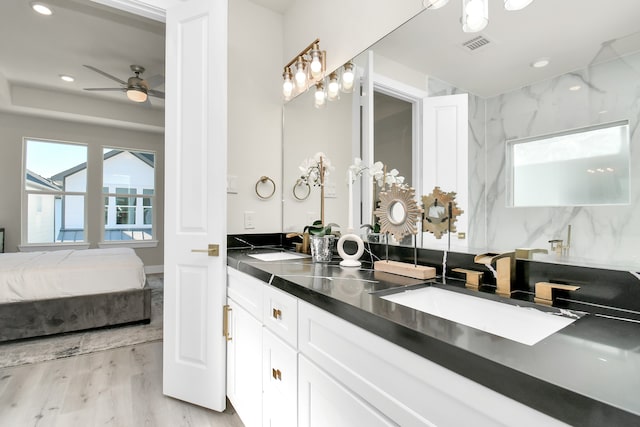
(299,183)
(262,180)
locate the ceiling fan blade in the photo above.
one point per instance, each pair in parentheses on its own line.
(118,89)
(156,93)
(155,81)
(122,82)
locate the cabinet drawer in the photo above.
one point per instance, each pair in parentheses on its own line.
(246,291)
(280,314)
(279,382)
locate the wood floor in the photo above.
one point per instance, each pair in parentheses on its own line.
(120,387)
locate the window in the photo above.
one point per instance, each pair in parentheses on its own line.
(128,185)
(587,166)
(55,190)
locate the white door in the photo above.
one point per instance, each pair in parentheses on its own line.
(445,148)
(195,202)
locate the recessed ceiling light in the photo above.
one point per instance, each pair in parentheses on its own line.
(540,63)
(67,78)
(42,9)
(575,88)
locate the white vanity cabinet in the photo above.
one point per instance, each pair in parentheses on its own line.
(389,385)
(315,369)
(244,348)
(262,364)
(244,364)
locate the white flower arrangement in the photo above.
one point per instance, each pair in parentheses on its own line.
(310,168)
(376,171)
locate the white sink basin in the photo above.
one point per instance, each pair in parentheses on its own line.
(522,324)
(277,256)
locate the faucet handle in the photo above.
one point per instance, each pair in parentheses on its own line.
(527,253)
(545,291)
(472,277)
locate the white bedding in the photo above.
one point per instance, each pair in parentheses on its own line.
(40,275)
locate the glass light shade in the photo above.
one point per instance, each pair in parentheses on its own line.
(287,85)
(475,15)
(136,95)
(434,4)
(301,74)
(348,77)
(333,88)
(319,99)
(316,62)
(516,4)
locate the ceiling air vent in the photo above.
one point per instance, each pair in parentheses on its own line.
(476,43)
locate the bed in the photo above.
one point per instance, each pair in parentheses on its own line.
(45,293)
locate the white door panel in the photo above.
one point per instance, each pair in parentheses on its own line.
(445,150)
(195,202)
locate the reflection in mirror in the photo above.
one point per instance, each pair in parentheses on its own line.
(579,167)
(397,213)
(593,77)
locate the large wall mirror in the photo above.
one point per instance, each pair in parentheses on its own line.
(429,68)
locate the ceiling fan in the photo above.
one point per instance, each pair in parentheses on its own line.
(135,87)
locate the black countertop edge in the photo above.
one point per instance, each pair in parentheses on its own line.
(555,401)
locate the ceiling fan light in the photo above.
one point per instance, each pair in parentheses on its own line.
(42,9)
(67,78)
(516,4)
(136,94)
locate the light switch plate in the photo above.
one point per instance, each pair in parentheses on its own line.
(249,220)
(232,184)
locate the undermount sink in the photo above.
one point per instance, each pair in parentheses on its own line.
(277,256)
(525,325)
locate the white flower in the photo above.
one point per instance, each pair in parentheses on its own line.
(310,168)
(357,169)
(377,172)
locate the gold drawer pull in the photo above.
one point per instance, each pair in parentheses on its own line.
(277,314)
(225,322)
(277,375)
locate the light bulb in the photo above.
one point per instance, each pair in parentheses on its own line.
(333,89)
(348,77)
(42,9)
(320,97)
(287,85)
(316,62)
(475,15)
(301,74)
(516,4)
(434,4)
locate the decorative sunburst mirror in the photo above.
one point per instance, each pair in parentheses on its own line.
(440,212)
(398,212)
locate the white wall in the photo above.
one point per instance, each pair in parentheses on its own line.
(255,115)
(344,27)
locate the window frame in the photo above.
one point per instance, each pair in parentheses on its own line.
(139,197)
(24,202)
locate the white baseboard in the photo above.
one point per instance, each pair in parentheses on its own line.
(153,269)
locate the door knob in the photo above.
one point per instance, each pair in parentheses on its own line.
(212,250)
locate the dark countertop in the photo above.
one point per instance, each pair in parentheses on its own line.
(586,374)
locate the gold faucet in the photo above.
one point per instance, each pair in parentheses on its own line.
(505,271)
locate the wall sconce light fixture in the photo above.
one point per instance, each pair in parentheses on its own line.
(305,69)
(308,68)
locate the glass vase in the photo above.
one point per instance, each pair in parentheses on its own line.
(322,248)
